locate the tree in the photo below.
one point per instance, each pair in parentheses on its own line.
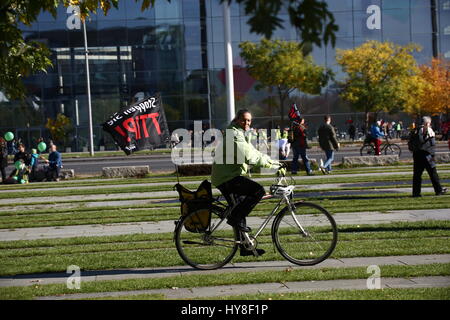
(59,128)
(379,76)
(20,58)
(282,67)
(310,17)
(435,96)
(413,94)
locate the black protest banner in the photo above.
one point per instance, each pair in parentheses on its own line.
(140,126)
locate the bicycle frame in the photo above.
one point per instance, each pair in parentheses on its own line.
(228,243)
(284,199)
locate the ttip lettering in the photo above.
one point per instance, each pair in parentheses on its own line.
(138,126)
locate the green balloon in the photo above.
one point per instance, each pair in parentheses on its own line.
(42,146)
(9,136)
(18,165)
(22,181)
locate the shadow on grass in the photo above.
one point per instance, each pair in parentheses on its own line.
(390,229)
(94,273)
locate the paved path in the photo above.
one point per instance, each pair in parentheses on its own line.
(299,179)
(92,230)
(255,266)
(169,197)
(120,198)
(270,288)
(148,197)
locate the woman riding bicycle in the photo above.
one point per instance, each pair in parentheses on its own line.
(232,159)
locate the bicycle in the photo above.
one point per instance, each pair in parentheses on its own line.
(304,233)
(386,147)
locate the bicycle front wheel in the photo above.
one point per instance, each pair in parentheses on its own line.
(305,235)
(393,149)
(367,150)
(209,247)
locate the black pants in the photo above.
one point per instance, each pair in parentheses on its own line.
(3,171)
(420,164)
(53,173)
(250,191)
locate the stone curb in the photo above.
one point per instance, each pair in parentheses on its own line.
(254,266)
(93,230)
(272,288)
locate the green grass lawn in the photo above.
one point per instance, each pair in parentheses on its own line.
(205,280)
(158,178)
(158,250)
(382,294)
(80,214)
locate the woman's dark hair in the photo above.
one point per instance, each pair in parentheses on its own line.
(240,113)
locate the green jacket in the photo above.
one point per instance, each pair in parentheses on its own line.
(327,138)
(228,164)
(277,134)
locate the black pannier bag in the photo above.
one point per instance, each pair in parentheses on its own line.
(196,201)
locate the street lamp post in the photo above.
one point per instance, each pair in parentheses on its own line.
(228,61)
(88,84)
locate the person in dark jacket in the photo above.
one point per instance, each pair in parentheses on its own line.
(54,163)
(424,160)
(328,143)
(3,158)
(22,155)
(299,145)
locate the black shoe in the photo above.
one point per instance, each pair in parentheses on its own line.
(416,196)
(443,191)
(245,253)
(240,225)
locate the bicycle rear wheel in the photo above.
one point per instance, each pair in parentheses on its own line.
(367,150)
(393,149)
(307,235)
(206,249)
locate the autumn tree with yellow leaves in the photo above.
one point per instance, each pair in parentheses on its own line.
(59,128)
(283,67)
(434,98)
(380,77)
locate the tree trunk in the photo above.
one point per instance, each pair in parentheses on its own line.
(282,98)
(366,123)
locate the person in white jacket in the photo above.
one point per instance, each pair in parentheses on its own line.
(424,159)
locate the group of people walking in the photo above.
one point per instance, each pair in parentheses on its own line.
(299,143)
(26,164)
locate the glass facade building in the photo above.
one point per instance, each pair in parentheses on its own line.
(177,49)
